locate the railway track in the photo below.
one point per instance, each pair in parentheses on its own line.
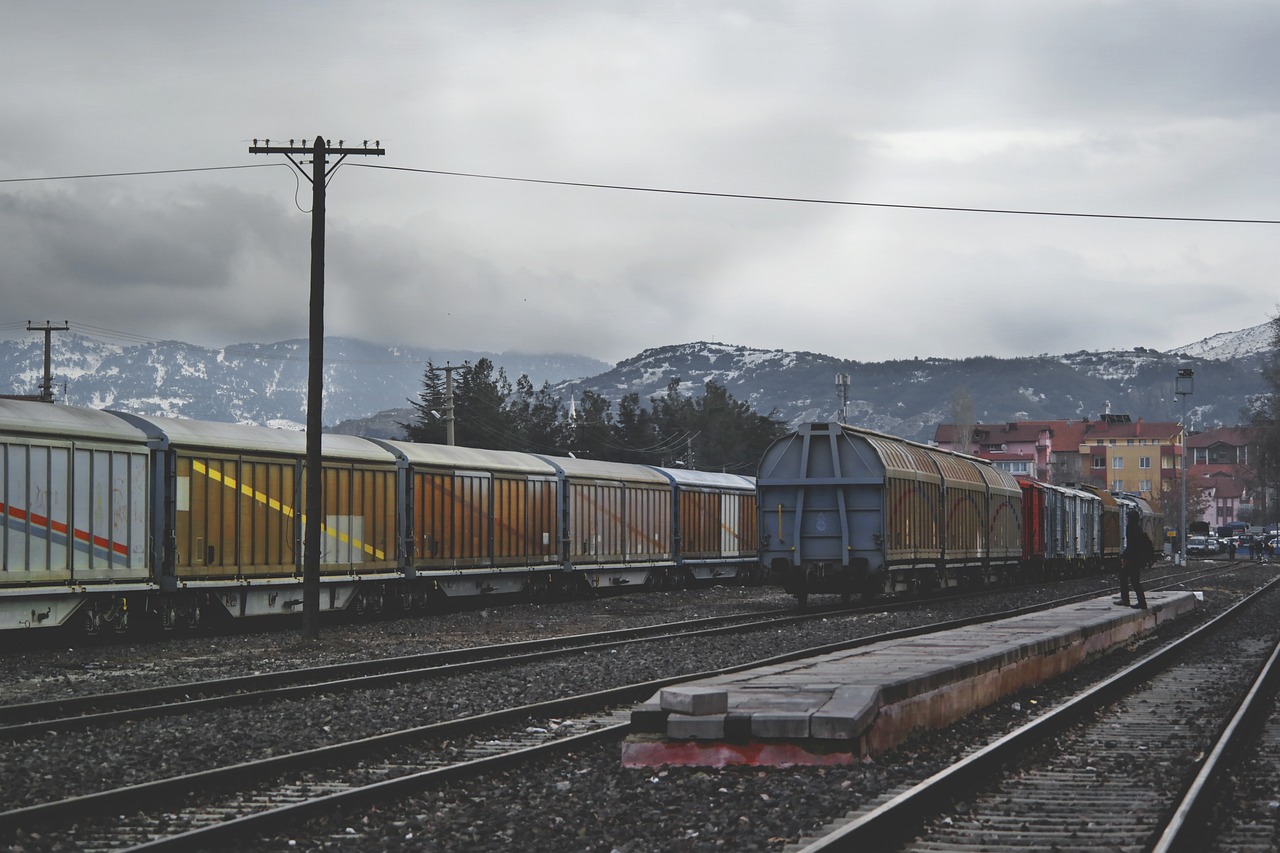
(203,808)
(19,720)
(1108,770)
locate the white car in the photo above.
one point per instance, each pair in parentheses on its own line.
(1201,546)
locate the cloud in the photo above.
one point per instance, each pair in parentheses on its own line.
(1156,107)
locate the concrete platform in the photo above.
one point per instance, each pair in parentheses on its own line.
(839,707)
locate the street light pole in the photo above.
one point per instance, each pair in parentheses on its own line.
(842,385)
(1184,385)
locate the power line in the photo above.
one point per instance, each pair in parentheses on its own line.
(672,191)
(136,174)
(838,202)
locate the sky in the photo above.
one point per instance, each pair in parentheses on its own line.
(823,164)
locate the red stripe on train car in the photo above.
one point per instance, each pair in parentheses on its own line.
(58,527)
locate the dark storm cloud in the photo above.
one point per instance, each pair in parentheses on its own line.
(1106,106)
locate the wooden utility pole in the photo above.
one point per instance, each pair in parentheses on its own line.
(46,387)
(314,505)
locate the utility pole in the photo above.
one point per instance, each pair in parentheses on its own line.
(448,401)
(46,387)
(314,508)
(1183,385)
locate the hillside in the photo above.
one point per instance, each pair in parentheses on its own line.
(368,386)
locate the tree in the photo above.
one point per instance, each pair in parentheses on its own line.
(635,431)
(1198,500)
(963,418)
(1263,413)
(428,424)
(593,430)
(713,432)
(479,398)
(537,419)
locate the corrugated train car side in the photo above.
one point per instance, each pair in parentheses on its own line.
(715,527)
(107,515)
(846,510)
(75,499)
(229,514)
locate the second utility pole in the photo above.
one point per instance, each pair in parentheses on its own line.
(314,507)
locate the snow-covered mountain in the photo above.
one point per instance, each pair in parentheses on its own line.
(247,383)
(910,397)
(1244,343)
(266,383)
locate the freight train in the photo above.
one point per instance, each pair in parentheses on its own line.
(850,511)
(106,517)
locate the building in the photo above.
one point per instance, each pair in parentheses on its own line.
(1219,467)
(1113,452)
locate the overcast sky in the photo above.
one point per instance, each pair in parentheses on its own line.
(1160,108)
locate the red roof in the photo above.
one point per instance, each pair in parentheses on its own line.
(1234,436)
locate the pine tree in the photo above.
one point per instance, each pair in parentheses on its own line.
(428,425)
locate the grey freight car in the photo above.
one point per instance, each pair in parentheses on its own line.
(845,510)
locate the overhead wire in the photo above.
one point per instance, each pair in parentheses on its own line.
(603,186)
(138,173)
(675,191)
(821,201)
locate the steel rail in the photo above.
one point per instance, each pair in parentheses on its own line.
(232,774)
(893,821)
(159,792)
(1187,820)
(25,719)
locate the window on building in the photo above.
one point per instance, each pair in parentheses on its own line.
(1129,441)
(1142,441)
(1144,462)
(1117,485)
(1112,442)
(1099,462)
(1144,485)
(1117,463)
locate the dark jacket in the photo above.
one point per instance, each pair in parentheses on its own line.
(1138,549)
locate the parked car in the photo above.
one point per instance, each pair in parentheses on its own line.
(1201,546)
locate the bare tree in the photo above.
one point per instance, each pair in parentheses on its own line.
(962,417)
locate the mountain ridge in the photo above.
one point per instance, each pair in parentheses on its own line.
(368,387)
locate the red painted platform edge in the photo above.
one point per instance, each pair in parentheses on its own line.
(650,754)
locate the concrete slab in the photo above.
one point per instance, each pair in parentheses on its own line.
(842,706)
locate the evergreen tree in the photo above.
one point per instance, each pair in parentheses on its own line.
(537,419)
(713,432)
(479,397)
(635,432)
(428,425)
(593,430)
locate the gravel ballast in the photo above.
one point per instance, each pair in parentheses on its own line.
(585,801)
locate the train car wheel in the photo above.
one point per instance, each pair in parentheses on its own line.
(168,615)
(872,588)
(802,589)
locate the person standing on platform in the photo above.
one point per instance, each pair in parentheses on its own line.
(1231,549)
(1138,553)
